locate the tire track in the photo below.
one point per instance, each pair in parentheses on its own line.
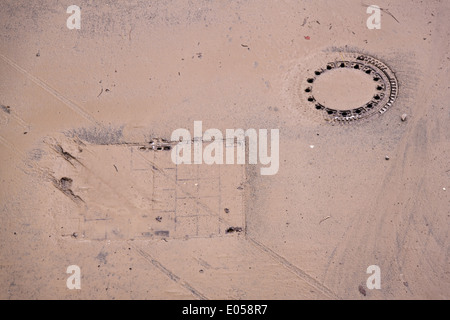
(68,103)
(294,269)
(172,276)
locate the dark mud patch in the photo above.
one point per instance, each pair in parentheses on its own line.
(233,229)
(64,185)
(6,109)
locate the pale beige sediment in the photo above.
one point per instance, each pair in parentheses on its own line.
(145,229)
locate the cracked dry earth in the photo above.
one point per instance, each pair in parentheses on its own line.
(87,177)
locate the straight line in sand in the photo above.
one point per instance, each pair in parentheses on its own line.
(294,269)
(169,273)
(73,106)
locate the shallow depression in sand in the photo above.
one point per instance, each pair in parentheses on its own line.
(344,89)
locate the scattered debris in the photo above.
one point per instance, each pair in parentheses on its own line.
(75,235)
(245,46)
(307,37)
(6,109)
(233,229)
(402,278)
(362,290)
(304,21)
(158,218)
(404,116)
(226,210)
(326,218)
(158,144)
(100,93)
(116,168)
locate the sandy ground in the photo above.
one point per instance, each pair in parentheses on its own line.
(79,185)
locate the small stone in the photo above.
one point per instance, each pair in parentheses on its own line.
(386,157)
(75,235)
(362,290)
(404,116)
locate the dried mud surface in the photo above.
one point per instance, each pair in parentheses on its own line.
(87,179)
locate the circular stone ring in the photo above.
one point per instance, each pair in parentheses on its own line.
(384,80)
